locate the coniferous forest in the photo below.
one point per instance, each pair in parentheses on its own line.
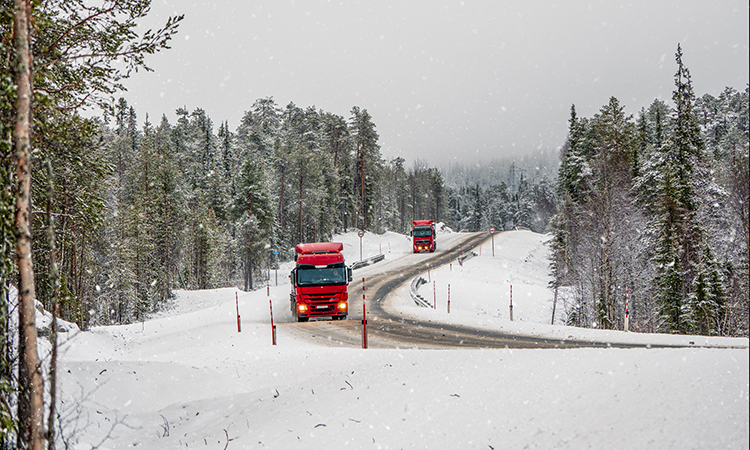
(154,207)
(653,210)
(118,211)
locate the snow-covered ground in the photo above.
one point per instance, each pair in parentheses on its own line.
(188,378)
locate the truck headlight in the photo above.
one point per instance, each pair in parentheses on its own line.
(302,308)
(342,306)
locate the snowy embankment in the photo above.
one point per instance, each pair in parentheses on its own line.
(188,378)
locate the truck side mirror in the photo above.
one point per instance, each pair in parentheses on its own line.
(349,273)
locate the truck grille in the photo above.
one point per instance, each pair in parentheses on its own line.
(319,298)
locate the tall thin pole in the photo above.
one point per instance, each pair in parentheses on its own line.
(237,304)
(627,308)
(364,316)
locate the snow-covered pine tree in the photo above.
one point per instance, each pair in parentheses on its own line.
(572,187)
(336,144)
(477,209)
(524,202)
(544,205)
(168,212)
(499,206)
(118,296)
(254,215)
(394,191)
(303,143)
(680,246)
(367,163)
(258,138)
(611,206)
(724,211)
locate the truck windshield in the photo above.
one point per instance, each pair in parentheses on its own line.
(422,232)
(327,276)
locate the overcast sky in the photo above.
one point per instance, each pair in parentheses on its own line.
(443,80)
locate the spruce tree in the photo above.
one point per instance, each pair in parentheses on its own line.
(252,209)
(681,249)
(367,165)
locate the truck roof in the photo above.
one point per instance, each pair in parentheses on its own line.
(421,223)
(319,247)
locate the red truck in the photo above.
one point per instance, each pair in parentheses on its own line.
(319,282)
(423,235)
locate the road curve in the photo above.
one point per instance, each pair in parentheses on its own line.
(386,328)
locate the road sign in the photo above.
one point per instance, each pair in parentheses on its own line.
(492,230)
(361,233)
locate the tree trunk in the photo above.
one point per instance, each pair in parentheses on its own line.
(281,200)
(31,401)
(362,181)
(249,264)
(54,281)
(299,221)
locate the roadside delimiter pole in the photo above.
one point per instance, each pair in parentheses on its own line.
(237,303)
(511,303)
(434,295)
(627,308)
(273,327)
(449,298)
(364,316)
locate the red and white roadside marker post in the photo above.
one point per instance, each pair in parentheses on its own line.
(627,308)
(434,295)
(364,316)
(237,303)
(273,327)
(449,298)
(511,303)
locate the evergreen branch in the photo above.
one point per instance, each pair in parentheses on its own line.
(81,23)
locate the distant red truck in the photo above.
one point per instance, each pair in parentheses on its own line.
(319,282)
(423,236)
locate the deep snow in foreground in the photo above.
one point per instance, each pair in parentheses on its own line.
(188,378)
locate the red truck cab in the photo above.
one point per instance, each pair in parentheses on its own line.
(319,282)
(423,236)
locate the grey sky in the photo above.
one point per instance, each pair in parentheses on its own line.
(443,80)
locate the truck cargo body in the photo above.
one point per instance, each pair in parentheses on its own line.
(423,236)
(319,282)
